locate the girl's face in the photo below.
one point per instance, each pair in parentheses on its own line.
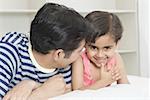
(100,51)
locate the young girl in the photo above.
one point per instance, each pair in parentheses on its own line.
(100,64)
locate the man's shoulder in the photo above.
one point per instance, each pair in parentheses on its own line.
(15,38)
(66,69)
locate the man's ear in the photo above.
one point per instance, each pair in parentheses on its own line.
(58,54)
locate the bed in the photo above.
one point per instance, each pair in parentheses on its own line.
(138,89)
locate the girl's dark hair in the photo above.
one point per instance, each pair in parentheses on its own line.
(105,23)
(58,27)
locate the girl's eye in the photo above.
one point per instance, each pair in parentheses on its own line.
(93,47)
(107,48)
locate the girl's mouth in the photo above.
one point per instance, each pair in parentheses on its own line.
(100,60)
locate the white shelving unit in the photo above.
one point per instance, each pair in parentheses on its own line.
(23,11)
(130,40)
(17,16)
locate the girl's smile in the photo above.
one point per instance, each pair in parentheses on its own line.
(102,50)
(100,60)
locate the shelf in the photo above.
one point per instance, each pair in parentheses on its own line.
(121,11)
(126,51)
(82,12)
(112,11)
(19,11)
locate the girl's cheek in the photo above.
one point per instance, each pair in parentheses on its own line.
(110,54)
(93,53)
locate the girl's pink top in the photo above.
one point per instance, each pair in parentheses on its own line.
(87,78)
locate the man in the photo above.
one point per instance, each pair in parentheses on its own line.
(37,68)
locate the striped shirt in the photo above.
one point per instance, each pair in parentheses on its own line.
(17,63)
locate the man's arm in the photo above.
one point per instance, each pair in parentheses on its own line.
(7,67)
(22,90)
(54,86)
(31,90)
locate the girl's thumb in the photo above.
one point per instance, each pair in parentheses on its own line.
(102,66)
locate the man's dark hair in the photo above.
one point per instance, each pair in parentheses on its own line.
(58,27)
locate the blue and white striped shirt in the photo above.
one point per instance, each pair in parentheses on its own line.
(16,63)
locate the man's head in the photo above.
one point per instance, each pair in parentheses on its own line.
(56,27)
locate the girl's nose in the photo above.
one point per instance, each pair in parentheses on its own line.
(100,53)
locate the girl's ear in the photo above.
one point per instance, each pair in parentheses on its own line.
(58,54)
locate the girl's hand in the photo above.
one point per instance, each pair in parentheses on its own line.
(22,90)
(109,76)
(115,71)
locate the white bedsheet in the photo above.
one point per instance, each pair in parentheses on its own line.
(138,89)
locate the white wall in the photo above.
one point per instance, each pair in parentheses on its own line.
(144,38)
(149,43)
(7,4)
(84,6)
(13,17)
(20,4)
